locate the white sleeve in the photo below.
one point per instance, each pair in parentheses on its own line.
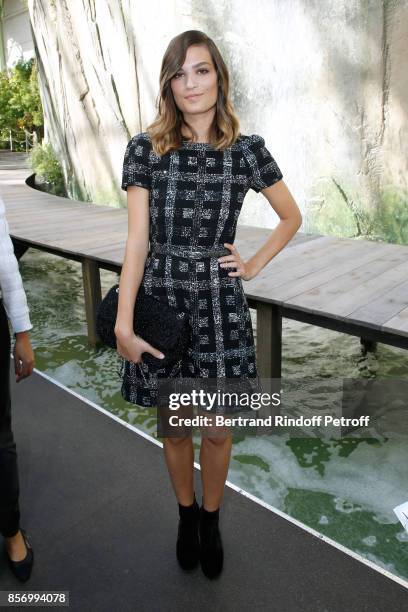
(11,284)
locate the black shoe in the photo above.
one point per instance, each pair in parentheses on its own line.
(188,545)
(22,569)
(211,550)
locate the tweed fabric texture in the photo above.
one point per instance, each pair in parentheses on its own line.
(195,198)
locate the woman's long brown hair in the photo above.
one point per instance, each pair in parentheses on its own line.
(165,131)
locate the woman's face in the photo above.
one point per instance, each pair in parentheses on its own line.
(196,76)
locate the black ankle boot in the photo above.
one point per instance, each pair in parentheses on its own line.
(188,544)
(211,550)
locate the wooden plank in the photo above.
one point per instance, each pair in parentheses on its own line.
(29,194)
(292,254)
(79,249)
(99,241)
(307,278)
(102,249)
(48,211)
(309,259)
(44,207)
(35,197)
(58,227)
(337,252)
(398,322)
(248,243)
(255,235)
(251,232)
(269,340)
(284,281)
(55,231)
(40,206)
(64,230)
(345,293)
(66,252)
(345,326)
(115,257)
(42,210)
(54,227)
(384,307)
(369,290)
(93,296)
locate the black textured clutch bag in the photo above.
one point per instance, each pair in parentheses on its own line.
(164,327)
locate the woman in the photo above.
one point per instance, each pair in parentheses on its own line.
(13,305)
(186,178)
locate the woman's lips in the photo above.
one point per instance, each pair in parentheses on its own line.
(194,97)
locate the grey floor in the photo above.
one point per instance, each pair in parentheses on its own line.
(98,505)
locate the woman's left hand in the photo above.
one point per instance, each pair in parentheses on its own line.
(234,261)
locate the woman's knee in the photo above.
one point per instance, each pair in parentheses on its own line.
(215,436)
(176,440)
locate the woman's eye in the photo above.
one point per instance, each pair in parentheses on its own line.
(181,74)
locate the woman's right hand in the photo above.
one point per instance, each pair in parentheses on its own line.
(24,359)
(130,346)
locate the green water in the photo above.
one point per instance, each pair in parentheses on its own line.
(346,489)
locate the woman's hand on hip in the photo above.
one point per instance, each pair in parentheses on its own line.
(234,260)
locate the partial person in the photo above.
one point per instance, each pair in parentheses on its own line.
(13,308)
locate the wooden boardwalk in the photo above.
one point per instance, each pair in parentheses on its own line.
(357,287)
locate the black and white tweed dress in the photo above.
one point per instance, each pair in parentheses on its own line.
(196,195)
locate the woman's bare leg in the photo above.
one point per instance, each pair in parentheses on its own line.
(179,454)
(215,454)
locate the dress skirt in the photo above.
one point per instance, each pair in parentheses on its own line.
(221,343)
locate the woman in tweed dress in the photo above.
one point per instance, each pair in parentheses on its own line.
(186,179)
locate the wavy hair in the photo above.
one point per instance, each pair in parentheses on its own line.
(165,131)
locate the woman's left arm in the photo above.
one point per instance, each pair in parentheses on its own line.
(283,203)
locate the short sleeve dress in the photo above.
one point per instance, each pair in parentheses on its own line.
(195,198)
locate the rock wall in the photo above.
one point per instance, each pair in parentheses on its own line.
(325,84)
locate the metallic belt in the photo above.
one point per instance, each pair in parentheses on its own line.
(189,252)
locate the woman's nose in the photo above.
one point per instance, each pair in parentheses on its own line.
(190,83)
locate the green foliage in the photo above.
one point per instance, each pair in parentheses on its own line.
(20,104)
(45,164)
(390,221)
(335,210)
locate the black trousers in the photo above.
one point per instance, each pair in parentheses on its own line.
(9,483)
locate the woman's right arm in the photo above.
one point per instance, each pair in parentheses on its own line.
(129,345)
(137,247)
(15,301)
